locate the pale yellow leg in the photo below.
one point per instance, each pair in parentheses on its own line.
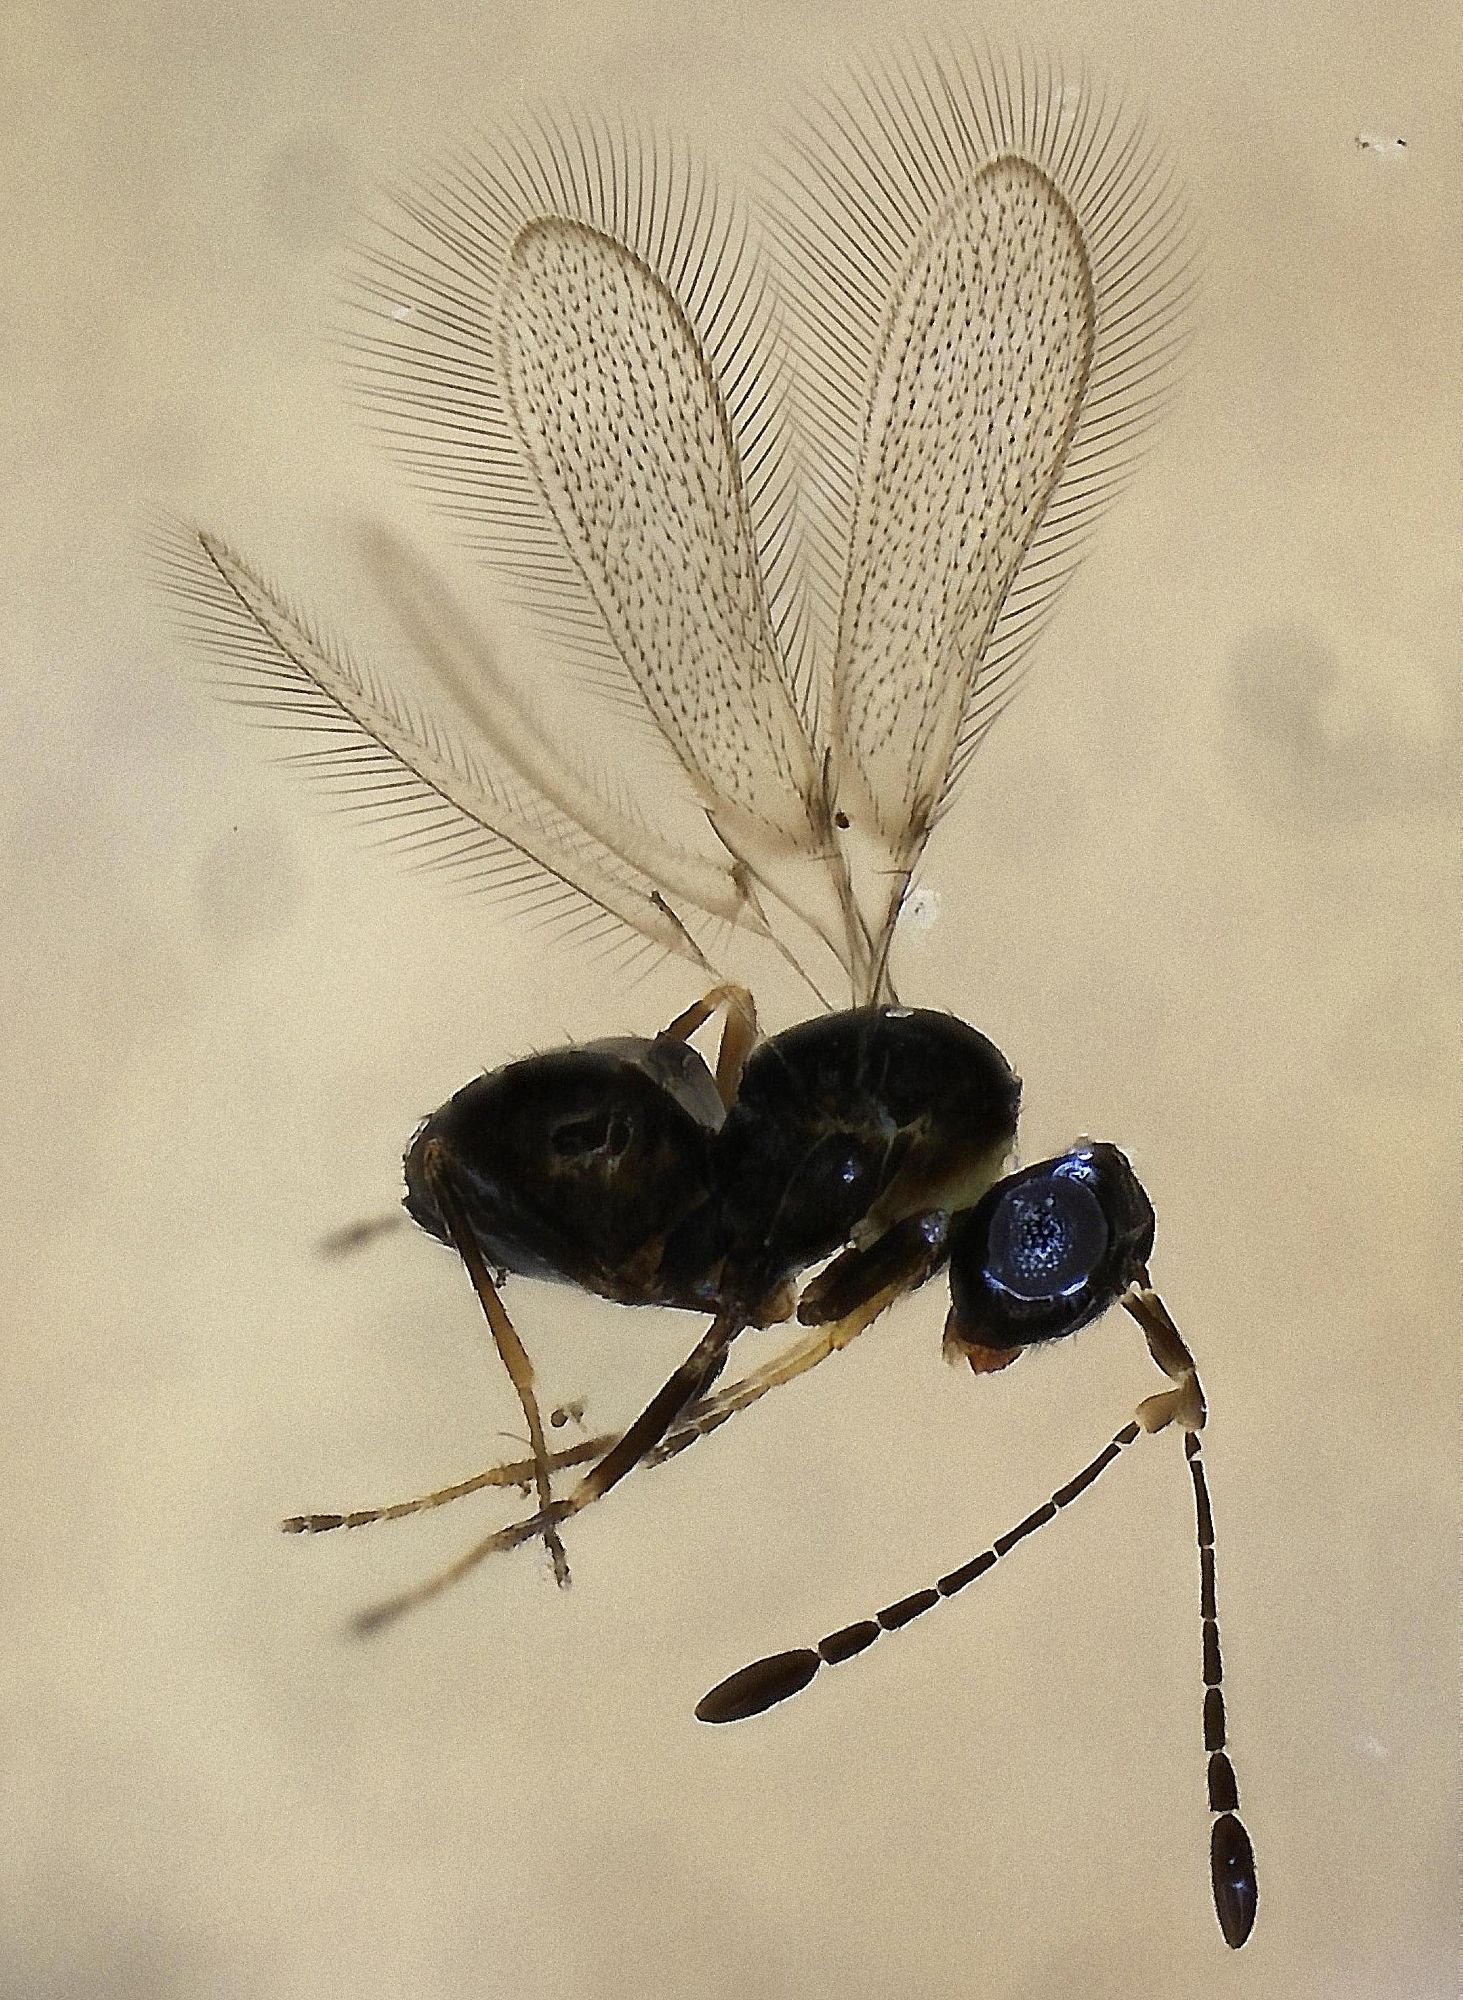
(738,1033)
(700,1420)
(511,1350)
(684,1387)
(794,1360)
(519,1473)
(658,1444)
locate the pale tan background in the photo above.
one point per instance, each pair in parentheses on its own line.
(1202,893)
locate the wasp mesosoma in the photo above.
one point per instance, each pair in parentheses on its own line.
(805,509)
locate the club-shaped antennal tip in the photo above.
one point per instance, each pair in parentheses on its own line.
(751,1689)
(1236,1894)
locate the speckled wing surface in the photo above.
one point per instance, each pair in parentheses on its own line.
(798,514)
(976,389)
(988,274)
(576,349)
(622,421)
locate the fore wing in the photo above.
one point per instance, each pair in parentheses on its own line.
(622,420)
(576,354)
(974,396)
(992,273)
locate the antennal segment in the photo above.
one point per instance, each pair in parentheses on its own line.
(766,1682)
(1231,1857)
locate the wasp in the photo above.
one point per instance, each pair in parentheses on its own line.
(807,517)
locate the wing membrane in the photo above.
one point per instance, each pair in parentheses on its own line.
(400,769)
(623,423)
(570,345)
(574,350)
(449,643)
(991,271)
(975,394)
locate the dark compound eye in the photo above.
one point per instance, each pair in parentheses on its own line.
(1047,1250)
(1045,1239)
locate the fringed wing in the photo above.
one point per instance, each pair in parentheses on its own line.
(568,341)
(991,274)
(572,349)
(974,395)
(620,417)
(494,703)
(399,769)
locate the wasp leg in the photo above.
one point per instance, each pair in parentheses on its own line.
(700,1420)
(511,1351)
(518,1472)
(840,1302)
(710,1414)
(738,1033)
(902,1262)
(689,1382)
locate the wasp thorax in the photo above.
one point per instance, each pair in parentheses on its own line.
(1047,1250)
(848,1125)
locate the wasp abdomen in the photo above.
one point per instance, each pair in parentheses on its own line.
(590,1165)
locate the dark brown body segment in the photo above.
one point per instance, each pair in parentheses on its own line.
(880,1111)
(590,1165)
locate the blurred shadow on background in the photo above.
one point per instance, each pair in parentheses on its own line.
(1307,743)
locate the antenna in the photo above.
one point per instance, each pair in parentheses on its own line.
(766,1682)
(1231,1857)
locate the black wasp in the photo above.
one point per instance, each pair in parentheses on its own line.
(809,531)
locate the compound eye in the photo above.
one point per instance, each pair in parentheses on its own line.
(1046,1239)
